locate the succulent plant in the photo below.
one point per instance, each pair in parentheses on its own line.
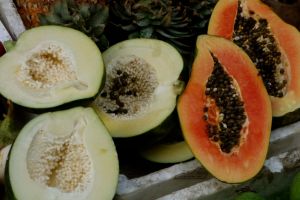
(88,16)
(177,22)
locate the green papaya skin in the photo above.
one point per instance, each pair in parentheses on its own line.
(249,196)
(295,188)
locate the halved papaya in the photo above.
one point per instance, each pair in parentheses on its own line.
(225,111)
(272,44)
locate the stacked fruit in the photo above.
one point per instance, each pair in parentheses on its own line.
(237,111)
(68,150)
(129,92)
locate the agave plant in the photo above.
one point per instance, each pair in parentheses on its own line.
(177,22)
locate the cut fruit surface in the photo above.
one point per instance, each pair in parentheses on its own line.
(141,86)
(50,66)
(63,155)
(225,111)
(272,45)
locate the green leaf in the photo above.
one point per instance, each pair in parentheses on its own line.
(144,22)
(65,14)
(134,35)
(103,43)
(78,20)
(43,20)
(147,32)
(168,34)
(182,33)
(84,11)
(56,8)
(100,17)
(98,30)
(129,27)
(54,19)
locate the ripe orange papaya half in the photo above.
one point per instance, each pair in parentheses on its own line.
(225,111)
(272,44)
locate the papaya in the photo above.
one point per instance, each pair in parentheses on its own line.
(272,44)
(50,66)
(171,148)
(169,152)
(141,86)
(225,111)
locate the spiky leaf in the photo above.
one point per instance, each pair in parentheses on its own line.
(91,19)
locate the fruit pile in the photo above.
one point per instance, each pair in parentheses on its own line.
(169,79)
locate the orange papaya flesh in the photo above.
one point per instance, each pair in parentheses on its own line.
(209,119)
(272,44)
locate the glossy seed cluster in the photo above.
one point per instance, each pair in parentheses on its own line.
(231,118)
(129,86)
(253,34)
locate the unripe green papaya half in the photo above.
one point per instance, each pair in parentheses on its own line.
(141,87)
(50,66)
(225,111)
(67,154)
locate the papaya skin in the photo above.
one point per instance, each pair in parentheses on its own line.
(287,37)
(246,162)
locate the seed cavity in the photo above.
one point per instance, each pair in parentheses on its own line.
(129,87)
(253,34)
(224,111)
(48,66)
(63,162)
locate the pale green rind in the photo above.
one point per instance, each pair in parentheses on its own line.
(168,153)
